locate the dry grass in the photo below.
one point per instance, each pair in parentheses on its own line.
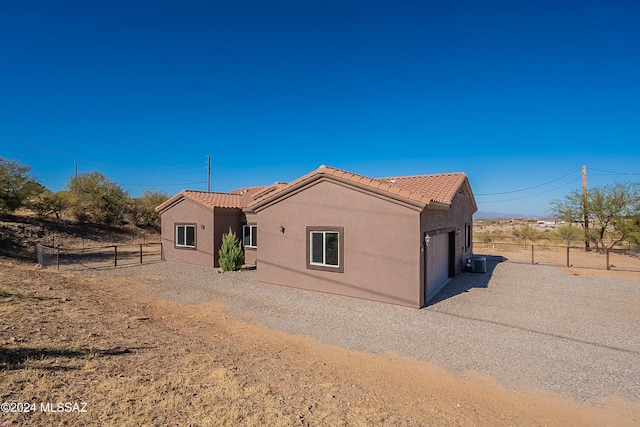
(67,339)
(57,345)
(20,232)
(138,360)
(498,238)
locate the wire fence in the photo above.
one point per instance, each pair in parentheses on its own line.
(98,257)
(620,258)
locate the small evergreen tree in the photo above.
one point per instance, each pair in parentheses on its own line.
(231,254)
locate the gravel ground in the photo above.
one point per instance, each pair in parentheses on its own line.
(525,325)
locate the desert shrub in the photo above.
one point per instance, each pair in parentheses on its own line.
(526,232)
(17,186)
(48,202)
(231,254)
(143,209)
(567,233)
(94,198)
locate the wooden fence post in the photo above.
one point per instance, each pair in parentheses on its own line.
(58,258)
(140,253)
(115,256)
(568,265)
(608,265)
(532,257)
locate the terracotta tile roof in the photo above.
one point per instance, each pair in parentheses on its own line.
(253,194)
(204,198)
(438,188)
(239,198)
(421,189)
(215,200)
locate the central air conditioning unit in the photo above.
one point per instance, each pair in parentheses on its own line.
(478,264)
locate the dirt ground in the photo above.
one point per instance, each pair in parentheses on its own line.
(581,263)
(492,236)
(138,360)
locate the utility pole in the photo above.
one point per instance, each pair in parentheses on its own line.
(75,164)
(208,173)
(585,209)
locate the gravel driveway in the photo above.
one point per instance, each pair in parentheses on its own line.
(525,325)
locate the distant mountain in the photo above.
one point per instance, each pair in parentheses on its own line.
(499,215)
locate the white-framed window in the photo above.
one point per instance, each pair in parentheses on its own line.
(325,248)
(185,236)
(250,236)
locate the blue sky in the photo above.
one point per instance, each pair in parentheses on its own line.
(516,94)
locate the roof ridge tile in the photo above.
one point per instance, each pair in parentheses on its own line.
(424,188)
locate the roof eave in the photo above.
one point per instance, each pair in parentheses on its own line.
(179,198)
(169,203)
(322,176)
(437,206)
(469,193)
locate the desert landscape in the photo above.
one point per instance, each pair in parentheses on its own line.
(117,353)
(320,213)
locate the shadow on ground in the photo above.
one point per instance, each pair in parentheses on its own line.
(15,296)
(14,358)
(465,281)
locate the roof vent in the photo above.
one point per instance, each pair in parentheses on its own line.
(393,181)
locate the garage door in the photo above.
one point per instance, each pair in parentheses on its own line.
(437,254)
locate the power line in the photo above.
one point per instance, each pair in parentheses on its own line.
(533,195)
(51,123)
(30,104)
(87,125)
(614,172)
(72,138)
(218,175)
(58,153)
(528,188)
(150,185)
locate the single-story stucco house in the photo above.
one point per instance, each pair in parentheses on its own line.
(193,222)
(396,240)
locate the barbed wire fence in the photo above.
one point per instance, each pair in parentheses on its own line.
(98,257)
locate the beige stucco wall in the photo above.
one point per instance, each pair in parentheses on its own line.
(382,243)
(250,254)
(222,220)
(208,239)
(187,211)
(459,214)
